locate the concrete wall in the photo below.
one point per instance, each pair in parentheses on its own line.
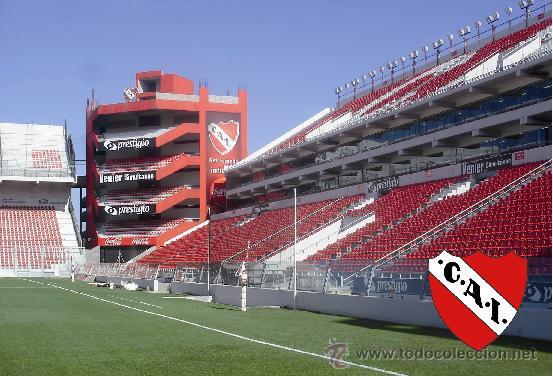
(528,323)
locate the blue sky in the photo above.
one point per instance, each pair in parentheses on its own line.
(291,54)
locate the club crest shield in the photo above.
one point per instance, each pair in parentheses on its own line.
(477,296)
(224,135)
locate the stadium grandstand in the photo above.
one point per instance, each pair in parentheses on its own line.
(441,155)
(38,227)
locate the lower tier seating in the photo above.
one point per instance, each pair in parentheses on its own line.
(252,237)
(152,227)
(415,226)
(28,231)
(521,223)
(387,209)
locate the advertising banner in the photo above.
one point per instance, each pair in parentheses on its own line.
(397,286)
(382,184)
(115,241)
(119,177)
(127,144)
(537,292)
(116,210)
(488,164)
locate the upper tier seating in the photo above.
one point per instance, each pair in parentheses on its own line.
(144,196)
(28,230)
(35,150)
(265,233)
(150,163)
(388,209)
(435,214)
(407,90)
(499,45)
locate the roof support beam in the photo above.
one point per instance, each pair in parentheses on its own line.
(526,74)
(441,104)
(528,121)
(493,133)
(406,116)
(409,153)
(444,143)
(482,90)
(378,125)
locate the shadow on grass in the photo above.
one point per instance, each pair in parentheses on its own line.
(224,308)
(505,341)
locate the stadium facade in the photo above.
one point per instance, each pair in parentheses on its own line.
(39,232)
(155,162)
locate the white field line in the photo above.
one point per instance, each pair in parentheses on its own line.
(25,287)
(230,334)
(135,301)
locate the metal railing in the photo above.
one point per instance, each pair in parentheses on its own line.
(39,261)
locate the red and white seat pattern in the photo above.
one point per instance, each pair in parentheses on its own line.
(150,163)
(520,222)
(29,231)
(388,209)
(418,87)
(138,228)
(192,248)
(435,214)
(46,159)
(144,196)
(265,233)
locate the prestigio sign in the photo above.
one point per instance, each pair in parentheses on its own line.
(129,144)
(129,209)
(477,296)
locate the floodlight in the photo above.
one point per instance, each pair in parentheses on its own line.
(463,32)
(438,43)
(525,5)
(492,17)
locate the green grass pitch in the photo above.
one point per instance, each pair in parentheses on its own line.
(49,331)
